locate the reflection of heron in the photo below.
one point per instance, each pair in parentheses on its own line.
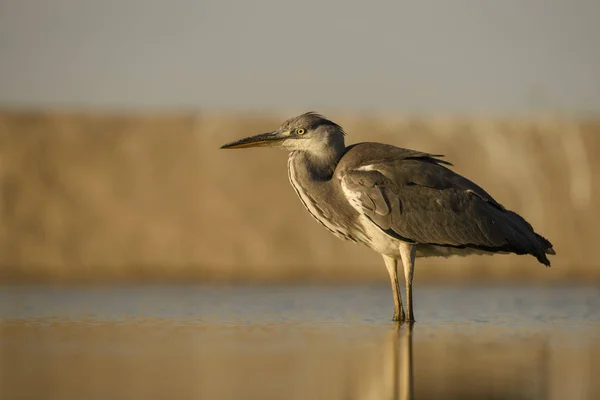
(390,369)
(401,203)
(404,360)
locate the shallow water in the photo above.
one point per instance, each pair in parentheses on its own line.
(298,342)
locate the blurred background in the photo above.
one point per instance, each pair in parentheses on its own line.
(111,115)
(111,118)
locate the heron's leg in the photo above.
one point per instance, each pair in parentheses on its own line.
(391,265)
(407,253)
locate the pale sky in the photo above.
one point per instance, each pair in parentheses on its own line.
(509,56)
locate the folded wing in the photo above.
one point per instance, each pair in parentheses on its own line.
(416,199)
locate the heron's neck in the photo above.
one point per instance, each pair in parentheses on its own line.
(317,166)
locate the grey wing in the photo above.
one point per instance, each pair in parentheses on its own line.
(420,201)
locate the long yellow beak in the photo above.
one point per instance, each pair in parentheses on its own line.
(263,140)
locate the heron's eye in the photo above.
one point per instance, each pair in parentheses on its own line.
(300,131)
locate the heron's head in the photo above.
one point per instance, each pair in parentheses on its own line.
(309,132)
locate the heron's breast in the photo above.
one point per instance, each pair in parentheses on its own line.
(322,206)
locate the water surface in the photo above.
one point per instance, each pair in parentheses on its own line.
(298,342)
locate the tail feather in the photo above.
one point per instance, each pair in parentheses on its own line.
(528,240)
(547,246)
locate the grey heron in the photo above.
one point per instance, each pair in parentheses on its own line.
(399,202)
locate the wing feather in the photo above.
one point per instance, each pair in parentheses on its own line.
(413,196)
(430,205)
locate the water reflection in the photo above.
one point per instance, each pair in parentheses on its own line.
(401,371)
(279,346)
(146,358)
(406,390)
